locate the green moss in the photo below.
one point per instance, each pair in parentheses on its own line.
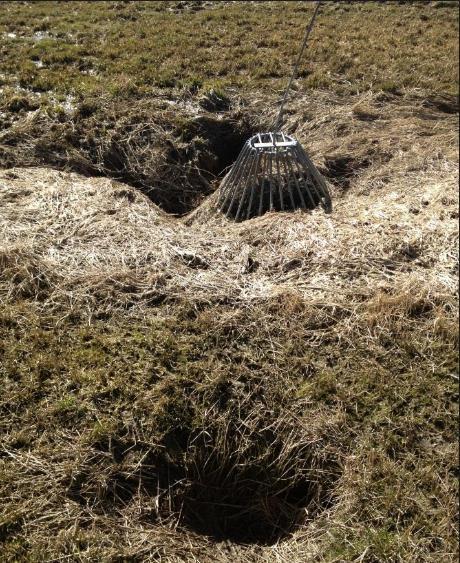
(68,407)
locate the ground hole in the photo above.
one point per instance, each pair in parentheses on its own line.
(173,157)
(246,510)
(259,497)
(245,489)
(340,170)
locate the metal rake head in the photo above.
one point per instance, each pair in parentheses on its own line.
(272,173)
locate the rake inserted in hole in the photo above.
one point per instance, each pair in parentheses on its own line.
(272,173)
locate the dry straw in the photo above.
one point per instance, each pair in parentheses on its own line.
(383,262)
(70,241)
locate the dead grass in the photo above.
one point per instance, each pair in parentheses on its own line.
(191,389)
(197,389)
(403,232)
(170,148)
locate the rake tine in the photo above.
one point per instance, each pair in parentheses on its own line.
(286,171)
(280,189)
(226,184)
(297,185)
(307,188)
(233,176)
(262,191)
(313,189)
(255,185)
(318,181)
(319,186)
(246,187)
(314,172)
(271,181)
(233,187)
(244,168)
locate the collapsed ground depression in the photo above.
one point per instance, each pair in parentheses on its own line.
(177,386)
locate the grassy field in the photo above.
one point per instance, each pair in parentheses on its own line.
(178,387)
(127,48)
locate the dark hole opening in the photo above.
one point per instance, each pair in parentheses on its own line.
(212,146)
(249,506)
(225,139)
(340,170)
(259,497)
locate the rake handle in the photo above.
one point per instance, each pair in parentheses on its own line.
(279,119)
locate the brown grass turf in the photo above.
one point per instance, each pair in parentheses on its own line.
(297,364)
